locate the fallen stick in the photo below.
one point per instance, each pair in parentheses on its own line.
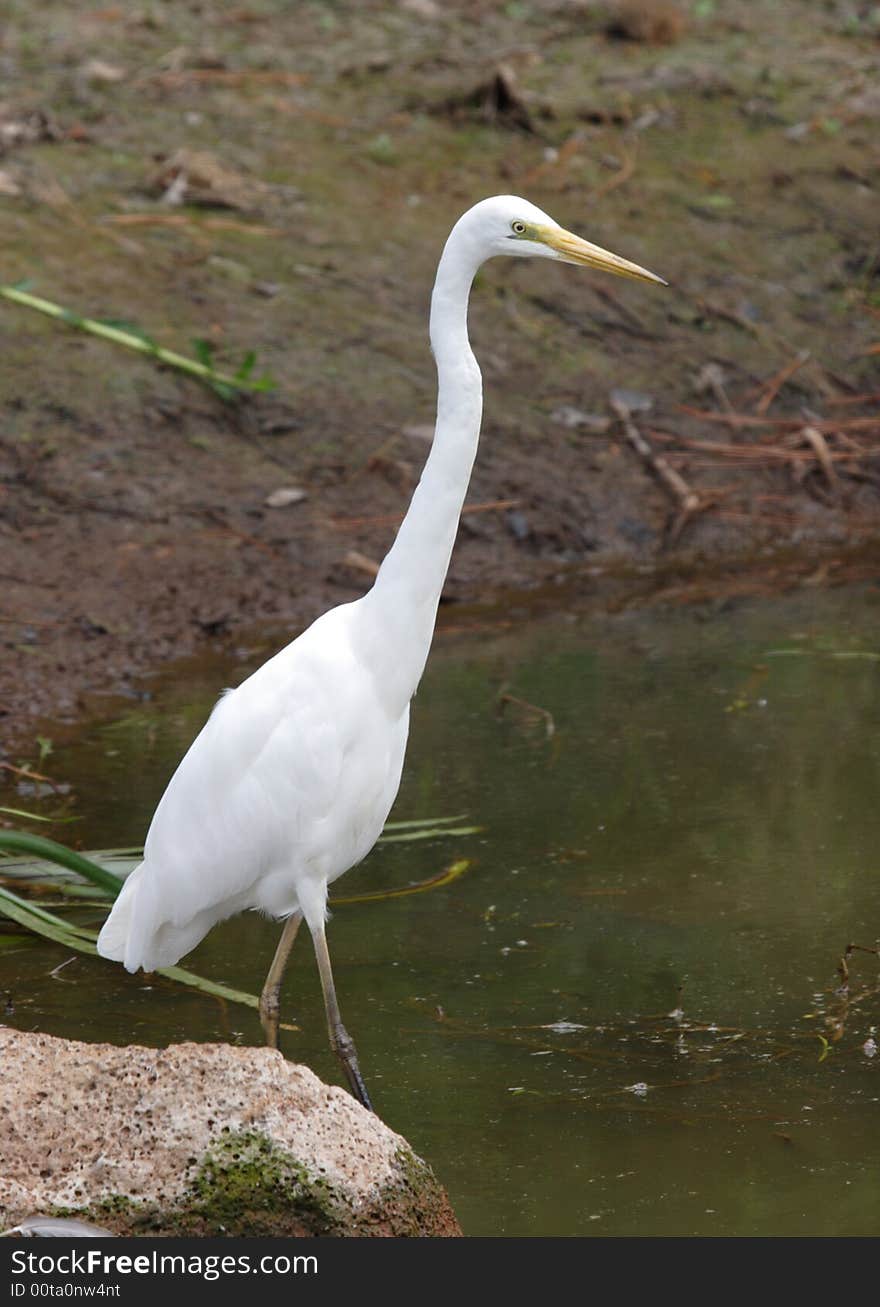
(532,709)
(361,563)
(818,444)
(622,175)
(775,384)
(636,325)
(688,501)
(29,773)
(871,397)
(557,165)
(712,378)
(784,522)
(762,453)
(729,315)
(791,424)
(183,220)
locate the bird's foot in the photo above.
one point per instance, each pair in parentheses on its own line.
(343,1047)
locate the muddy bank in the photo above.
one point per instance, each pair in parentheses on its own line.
(282,184)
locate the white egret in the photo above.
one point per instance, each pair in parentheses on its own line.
(291,779)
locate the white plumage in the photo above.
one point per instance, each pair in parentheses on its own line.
(287,786)
(293,776)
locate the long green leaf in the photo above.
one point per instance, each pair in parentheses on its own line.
(137,342)
(411,823)
(44,923)
(38,816)
(14,841)
(83,941)
(445,877)
(429,834)
(193,981)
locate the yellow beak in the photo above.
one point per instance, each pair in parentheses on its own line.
(574,250)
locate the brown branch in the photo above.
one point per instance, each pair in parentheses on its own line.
(532,708)
(738,319)
(361,563)
(636,326)
(556,167)
(688,501)
(31,775)
(775,384)
(183,220)
(818,444)
(681,492)
(622,175)
(712,378)
(872,397)
(790,424)
(761,453)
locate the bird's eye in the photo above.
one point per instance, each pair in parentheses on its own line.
(518,228)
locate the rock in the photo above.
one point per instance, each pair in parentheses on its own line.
(284,496)
(200,1139)
(96,70)
(568,416)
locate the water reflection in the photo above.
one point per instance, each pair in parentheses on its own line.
(622,1020)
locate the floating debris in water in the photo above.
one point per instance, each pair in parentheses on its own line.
(640,1089)
(564,1027)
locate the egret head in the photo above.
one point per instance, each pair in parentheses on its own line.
(508,225)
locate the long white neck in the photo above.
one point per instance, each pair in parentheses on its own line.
(401,608)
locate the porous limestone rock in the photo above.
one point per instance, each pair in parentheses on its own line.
(200,1139)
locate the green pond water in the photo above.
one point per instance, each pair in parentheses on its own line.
(622,1019)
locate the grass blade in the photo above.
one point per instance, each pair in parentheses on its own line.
(136,341)
(83,941)
(14,841)
(46,924)
(38,816)
(411,824)
(428,834)
(445,877)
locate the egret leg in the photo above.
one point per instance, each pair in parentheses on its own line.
(340,1040)
(270,999)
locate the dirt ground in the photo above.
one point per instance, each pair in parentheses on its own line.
(280,179)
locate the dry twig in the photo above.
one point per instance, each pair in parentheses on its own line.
(531,709)
(623,174)
(818,443)
(184,220)
(688,501)
(772,387)
(556,166)
(783,424)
